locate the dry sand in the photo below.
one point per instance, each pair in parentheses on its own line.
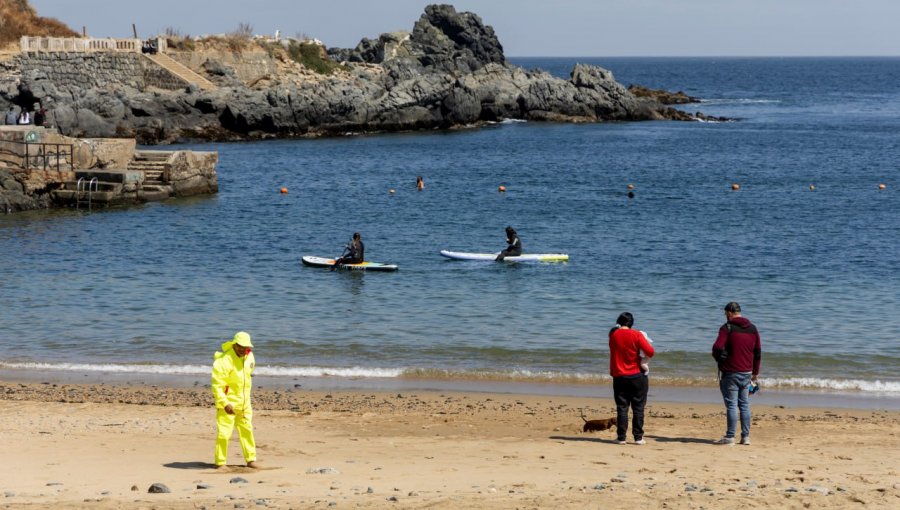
(71,446)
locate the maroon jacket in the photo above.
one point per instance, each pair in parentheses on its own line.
(742,344)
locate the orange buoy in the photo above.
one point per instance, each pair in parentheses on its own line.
(392,191)
(501,189)
(284,191)
(735,186)
(630,186)
(882,186)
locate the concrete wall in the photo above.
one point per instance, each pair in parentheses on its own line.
(100,69)
(87,153)
(249,65)
(87,70)
(192,173)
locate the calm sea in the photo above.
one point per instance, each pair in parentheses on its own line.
(156,288)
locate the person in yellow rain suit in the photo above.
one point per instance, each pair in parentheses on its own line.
(231,384)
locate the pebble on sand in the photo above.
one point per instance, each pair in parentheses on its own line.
(323,471)
(238,479)
(158,488)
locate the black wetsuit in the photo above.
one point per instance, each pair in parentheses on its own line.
(513,250)
(357,254)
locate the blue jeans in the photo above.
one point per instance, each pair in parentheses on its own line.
(735,391)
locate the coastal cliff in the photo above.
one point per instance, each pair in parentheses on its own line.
(449,71)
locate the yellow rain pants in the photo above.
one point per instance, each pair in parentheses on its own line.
(225,425)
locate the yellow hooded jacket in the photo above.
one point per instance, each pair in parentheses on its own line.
(232,378)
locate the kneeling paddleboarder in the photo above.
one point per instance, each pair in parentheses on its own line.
(514,248)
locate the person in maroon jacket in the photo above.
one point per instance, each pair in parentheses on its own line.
(630,385)
(738,351)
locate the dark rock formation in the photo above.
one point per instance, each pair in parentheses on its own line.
(14,195)
(449,71)
(662,96)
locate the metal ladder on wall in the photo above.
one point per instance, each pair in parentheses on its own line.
(84,191)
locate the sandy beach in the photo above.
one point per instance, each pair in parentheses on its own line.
(101,446)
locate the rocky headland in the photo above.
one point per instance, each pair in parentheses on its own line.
(449,71)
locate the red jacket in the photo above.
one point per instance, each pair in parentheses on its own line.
(742,344)
(624,348)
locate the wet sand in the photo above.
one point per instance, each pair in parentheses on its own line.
(102,446)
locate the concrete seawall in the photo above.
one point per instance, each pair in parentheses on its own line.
(98,70)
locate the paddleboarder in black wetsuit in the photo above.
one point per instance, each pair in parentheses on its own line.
(354,253)
(515,246)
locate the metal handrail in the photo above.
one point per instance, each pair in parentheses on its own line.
(81,188)
(42,158)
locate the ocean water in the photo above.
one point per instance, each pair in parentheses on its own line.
(155,289)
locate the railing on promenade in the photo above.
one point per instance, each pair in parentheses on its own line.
(78,44)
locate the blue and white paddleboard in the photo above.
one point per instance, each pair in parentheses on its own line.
(362,266)
(527,257)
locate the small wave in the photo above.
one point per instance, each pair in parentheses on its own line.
(807,383)
(740,101)
(518,375)
(512,121)
(270,371)
(111,367)
(359,372)
(487,375)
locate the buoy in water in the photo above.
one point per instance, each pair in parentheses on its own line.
(392,191)
(882,186)
(812,187)
(501,189)
(735,186)
(630,186)
(284,191)
(631,194)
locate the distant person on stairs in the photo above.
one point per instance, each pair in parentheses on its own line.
(514,248)
(354,253)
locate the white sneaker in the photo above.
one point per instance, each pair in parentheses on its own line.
(621,441)
(640,441)
(745,440)
(725,440)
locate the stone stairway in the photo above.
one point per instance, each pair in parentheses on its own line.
(180,70)
(152,164)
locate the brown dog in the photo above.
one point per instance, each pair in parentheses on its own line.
(597,425)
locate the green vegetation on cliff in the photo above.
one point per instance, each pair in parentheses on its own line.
(312,56)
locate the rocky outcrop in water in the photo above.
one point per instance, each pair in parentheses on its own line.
(662,96)
(449,71)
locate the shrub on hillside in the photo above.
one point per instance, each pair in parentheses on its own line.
(312,56)
(18,18)
(176,41)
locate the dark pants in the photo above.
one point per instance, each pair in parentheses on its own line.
(348,260)
(630,391)
(508,253)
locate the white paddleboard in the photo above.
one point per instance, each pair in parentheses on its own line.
(525,257)
(362,266)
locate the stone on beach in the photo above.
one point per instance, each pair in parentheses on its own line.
(158,488)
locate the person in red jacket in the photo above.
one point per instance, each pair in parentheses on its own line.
(738,351)
(630,384)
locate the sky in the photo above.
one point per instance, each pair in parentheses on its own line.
(574,28)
